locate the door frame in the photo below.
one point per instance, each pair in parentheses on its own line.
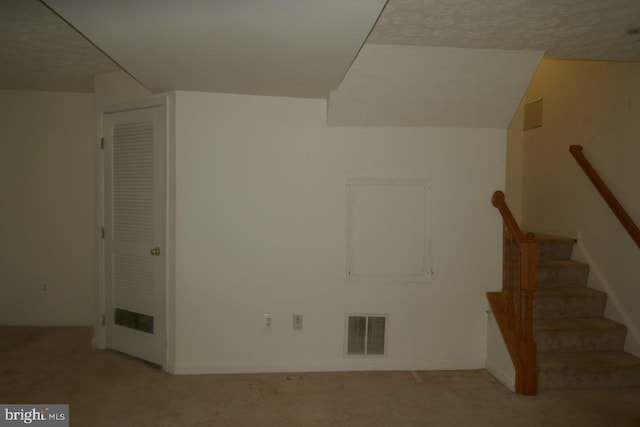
(99,337)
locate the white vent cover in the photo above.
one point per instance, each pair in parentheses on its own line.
(365,334)
(133,182)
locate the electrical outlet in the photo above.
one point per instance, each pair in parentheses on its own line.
(267,323)
(45,287)
(297,322)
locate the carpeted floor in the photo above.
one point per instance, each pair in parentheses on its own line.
(105,388)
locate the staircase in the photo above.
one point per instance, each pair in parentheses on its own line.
(577,346)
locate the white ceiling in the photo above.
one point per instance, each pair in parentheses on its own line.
(300,48)
(284,47)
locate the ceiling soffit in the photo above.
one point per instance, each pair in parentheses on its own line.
(299,48)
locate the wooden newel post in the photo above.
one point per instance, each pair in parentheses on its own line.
(529,281)
(520,279)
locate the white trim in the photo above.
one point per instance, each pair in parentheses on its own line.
(99,335)
(99,338)
(350,364)
(169,244)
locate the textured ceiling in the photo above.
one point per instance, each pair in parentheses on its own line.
(581,29)
(39,51)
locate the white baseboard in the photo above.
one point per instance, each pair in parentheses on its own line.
(98,339)
(253,368)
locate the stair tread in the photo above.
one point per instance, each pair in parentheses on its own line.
(567,292)
(562,263)
(590,359)
(581,323)
(541,236)
(562,273)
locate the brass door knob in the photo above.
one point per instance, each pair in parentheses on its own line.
(155,251)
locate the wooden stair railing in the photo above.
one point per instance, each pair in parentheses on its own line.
(513,306)
(607,195)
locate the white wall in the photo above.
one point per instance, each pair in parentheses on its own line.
(260,228)
(432,86)
(515,159)
(48,214)
(595,104)
(118,88)
(499,362)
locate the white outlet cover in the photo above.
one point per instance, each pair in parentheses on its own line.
(267,323)
(297,322)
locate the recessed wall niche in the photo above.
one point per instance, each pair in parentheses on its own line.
(388,236)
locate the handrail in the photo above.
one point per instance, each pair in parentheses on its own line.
(607,195)
(519,281)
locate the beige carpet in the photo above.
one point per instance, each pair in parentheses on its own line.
(105,388)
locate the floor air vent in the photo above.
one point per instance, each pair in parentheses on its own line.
(365,335)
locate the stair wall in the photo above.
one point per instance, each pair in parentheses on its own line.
(614,309)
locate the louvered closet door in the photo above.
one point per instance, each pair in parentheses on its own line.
(135,232)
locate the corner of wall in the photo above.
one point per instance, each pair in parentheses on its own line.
(515,164)
(170,355)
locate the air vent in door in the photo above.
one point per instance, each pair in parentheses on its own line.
(365,335)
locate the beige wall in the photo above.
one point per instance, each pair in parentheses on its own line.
(261,223)
(117,88)
(514,171)
(597,105)
(48,208)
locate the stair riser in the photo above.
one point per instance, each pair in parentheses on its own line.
(580,340)
(576,354)
(556,307)
(549,250)
(589,377)
(574,276)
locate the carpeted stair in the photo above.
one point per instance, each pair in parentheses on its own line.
(577,346)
